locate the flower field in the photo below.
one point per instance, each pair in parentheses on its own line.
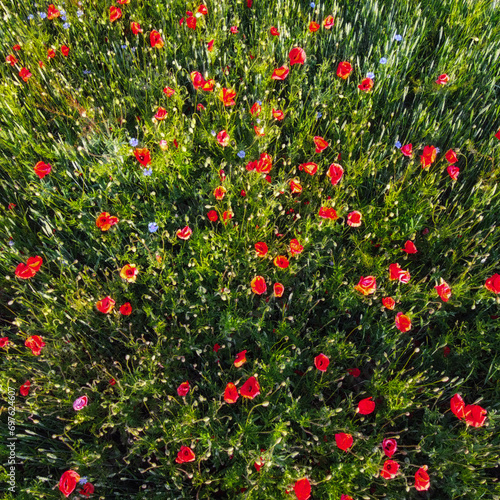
(250,250)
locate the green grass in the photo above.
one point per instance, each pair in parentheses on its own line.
(190,295)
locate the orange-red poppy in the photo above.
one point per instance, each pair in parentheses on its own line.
(51,53)
(297,56)
(227,96)
(35,343)
(185,455)
(279,289)
(265,163)
(274,31)
(367,285)
(28,270)
(65,50)
(136,28)
(410,247)
(278,114)
(68,482)
(343,440)
(129,273)
(313,26)
(25,74)
(366,85)
(295,247)
(52,12)
(389,446)
(344,69)
(258,285)
(25,388)
(388,303)
(219,192)
(443,79)
(126,309)
(328,22)
(444,291)
(281,261)
(185,233)
(161,114)
(223,138)
(42,169)
(428,156)
(320,143)
(183,389)
(143,156)
(261,249)
(255,109)
(366,406)
(104,221)
(309,167)
(114,13)
(321,362)
(231,393)
(250,388)
(302,489)
(422,480)
(241,359)
(354,219)
(328,213)
(493,283)
(295,186)
(10,59)
(156,40)
(396,273)
(105,305)
(335,172)
(390,469)
(403,322)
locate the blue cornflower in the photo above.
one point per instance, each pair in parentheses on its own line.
(11,243)
(62,12)
(398,38)
(66,26)
(134,142)
(147,172)
(258,120)
(241,154)
(43,15)
(133,49)
(214,133)
(370,75)
(63,17)
(438,150)
(153,227)
(87,72)
(83,480)
(397,144)
(31,17)
(259,103)
(79,13)
(312,4)
(383,60)
(124,46)
(319,114)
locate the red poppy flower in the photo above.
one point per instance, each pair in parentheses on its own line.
(234,30)
(185,455)
(51,53)
(280,73)
(335,172)
(227,96)
(25,74)
(258,285)
(321,144)
(321,362)
(328,213)
(68,482)
(407,149)
(65,50)
(295,186)
(367,285)
(281,261)
(278,114)
(35,343)
(105,305)
(344,69)
(297,56)
(112,381)
(493,283)
(366,406)
(10,59)
(443,291)
(295,247)
(184,233)
(343,440)
(313,26)
(388,303)
(453,172)
(126,309)
(42,169)
(403,322)
(422,481)
(274,31)
(208,85)
(197,79)
(104,221)
(212,215)
(28,270)
(241,359)
(389,446)
(497,135)
(265,163)
(231,393)
(279,289)
(168,91)
(259,131)
(250,388)
(457,406)
(255,109)
(475,415)
(396,273)
(310,167)
(129,273)
(114,13)
(219,192)
(450,156)
(328,22)
(443,79)
(87,490)
(446,351)
(4,341)
(261,249)
(223,138)
(216,347)
(25,388)
(345,497)
(143,156)
(390,469)
(366,85)
(428,156)
(183,389)
(52,12)
(302,489)
(156,40)
(410,247)
(210,45)
(191,22)
(136,28)
(161,114)
(16,47)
